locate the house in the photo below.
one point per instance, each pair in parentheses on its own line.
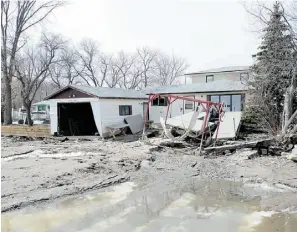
(40,110)
(228,85)
(231,73)
(89,110)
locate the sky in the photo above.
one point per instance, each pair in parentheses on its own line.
(208,34)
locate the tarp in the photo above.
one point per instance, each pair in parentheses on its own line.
(229,125)
(97,115)
(135,123)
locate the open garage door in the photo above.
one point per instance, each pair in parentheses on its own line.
(76,119)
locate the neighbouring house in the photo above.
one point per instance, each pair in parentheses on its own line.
(89,110)
(228,85)
(40,110)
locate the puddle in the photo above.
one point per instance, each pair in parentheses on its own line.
(203,206)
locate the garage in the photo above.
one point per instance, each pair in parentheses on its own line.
(76,119)
(78,110)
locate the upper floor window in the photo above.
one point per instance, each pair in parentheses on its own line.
(244,76)
(125,110)
(160,101)
(209,78)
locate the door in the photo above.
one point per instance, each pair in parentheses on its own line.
(226,99)
(144,110)
(236,102)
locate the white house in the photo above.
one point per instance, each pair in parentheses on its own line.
(228,85)
(89,110)
(231,73)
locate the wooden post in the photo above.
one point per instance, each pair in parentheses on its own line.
(168,105)
(204,125)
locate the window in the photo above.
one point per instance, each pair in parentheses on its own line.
(244,76)
(189,105)
(155,102)
(233,102)
(209,78)
(160,101)
(125,110)
(41,108)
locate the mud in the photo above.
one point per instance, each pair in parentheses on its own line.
(38,181)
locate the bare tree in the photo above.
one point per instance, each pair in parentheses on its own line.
(32,68)
(92,65)
(130,72)
(17,18)
(168,68)
(63,73)
(146,58)
(111,66)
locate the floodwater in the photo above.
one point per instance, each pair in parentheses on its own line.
(204,206)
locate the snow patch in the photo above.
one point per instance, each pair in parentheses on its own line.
(265,187)
(253,219)
(42,154)
(180,207)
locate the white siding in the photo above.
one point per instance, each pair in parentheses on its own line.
(54,109)
(231,76)
(176,108)
(110,110)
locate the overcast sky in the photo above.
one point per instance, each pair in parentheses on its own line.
(208,34)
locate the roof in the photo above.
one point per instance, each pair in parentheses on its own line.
(222,69)
(41,103)
(104,92)
(216,86)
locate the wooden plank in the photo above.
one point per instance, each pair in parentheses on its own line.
(251,144)
(23,130)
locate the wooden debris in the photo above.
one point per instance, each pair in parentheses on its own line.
(251,144)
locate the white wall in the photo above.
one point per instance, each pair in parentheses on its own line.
(54,109)
(110,110)
(231,76)
(176,108)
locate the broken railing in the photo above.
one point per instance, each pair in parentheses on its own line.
(206,106)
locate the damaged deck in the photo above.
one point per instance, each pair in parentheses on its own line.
(229,125)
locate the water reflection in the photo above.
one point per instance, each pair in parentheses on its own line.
(207,205)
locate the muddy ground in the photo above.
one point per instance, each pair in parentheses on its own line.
(36,172)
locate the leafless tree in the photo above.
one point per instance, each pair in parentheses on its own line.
(168,68)
(63,73)
(92,65)
(16,19)
(111,66)
(146,58)
(32,68)
(129,71)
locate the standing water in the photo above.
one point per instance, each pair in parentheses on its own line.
(203,206)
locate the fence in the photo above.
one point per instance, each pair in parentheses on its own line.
(23,130)
(18,115)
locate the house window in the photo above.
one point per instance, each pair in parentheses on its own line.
(189,105)
(41,108)
(233,102)
(209,78)
(160,101)
(244,76)
(125,110)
